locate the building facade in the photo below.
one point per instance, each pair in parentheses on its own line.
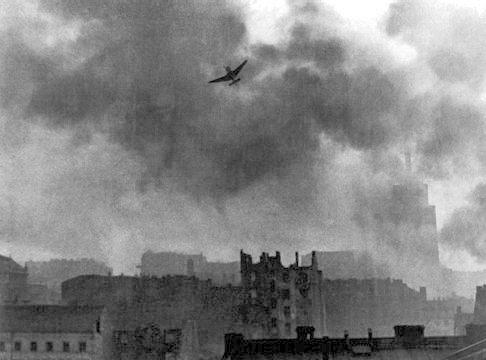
(13,282)
(168,302)
(277,299)
(53,332)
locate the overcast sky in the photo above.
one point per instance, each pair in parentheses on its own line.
(114,143)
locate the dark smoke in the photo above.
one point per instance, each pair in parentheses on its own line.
(113,133)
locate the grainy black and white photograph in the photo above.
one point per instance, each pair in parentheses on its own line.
(242,179)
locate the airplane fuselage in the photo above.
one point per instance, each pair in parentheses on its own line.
(230,73)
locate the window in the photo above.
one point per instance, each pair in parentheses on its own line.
(82,347)
(273,303)
(285,277)
(17,346)
(286,294)
(272,285)
(65,346)
(124,339)
(49,346)
(33,346)
(2,346)
(287,329)
(274,322)
(287,311)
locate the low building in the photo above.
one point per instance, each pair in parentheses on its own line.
(408,343)
(54,332)
(168,303)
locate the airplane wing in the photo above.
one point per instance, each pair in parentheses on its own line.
(222,78)
(238,69)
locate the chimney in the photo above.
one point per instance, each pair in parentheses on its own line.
(423,292)
(296,258)
(314,260)
(190,267)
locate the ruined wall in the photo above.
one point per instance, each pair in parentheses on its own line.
(276,299)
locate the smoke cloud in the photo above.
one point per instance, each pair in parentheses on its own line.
(113,142)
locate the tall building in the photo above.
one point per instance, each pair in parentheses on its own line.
(405,232)
(277,299)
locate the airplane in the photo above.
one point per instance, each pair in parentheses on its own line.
(231,75)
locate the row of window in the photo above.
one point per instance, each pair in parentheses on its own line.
(285,276)
(49,346)
(273,305)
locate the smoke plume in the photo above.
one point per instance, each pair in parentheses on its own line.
(113,141)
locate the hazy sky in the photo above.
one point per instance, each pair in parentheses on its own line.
(114,143)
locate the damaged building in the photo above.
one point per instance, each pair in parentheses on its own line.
(277,299)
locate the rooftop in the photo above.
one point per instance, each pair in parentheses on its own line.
(49,318)
(7,264)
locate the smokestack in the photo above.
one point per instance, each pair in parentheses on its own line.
(314,260)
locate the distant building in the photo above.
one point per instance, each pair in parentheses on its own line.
(346,265)
(102,290)
(479,316)
(15,289)
(461,319)
(53,272)
(41,294)
(278,299)
(13,282)
(54,332)
(356,304)
(171,263)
